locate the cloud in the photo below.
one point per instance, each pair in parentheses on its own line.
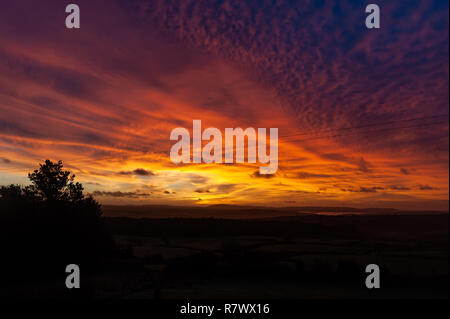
(202,190)
(198,179)
(307,67)
(373,189)
(306,175)
(337,157)
(363,166)
(138,172)
(93,183)
(257,174)
(5,160)
(400,188)
(404,171)
(370,189)
(143,172)
(330,73)
(120,194)
(217,189)
(226,188)
(425,187)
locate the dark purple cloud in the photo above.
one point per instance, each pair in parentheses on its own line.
(138,172)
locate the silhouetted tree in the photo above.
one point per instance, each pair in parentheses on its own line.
(52,186)
(52,183)
(50,222)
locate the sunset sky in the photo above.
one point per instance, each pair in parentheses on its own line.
(362,114)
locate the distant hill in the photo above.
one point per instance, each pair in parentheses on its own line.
(244,212)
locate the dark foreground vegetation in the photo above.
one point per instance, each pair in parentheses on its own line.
(257,254)
(290,257)
(46,226)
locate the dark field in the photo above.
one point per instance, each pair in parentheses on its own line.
(302,256)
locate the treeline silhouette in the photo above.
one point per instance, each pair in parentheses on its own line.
(49,224)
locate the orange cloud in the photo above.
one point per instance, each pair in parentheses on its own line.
(357,115)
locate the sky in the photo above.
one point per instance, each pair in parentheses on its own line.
(362,114)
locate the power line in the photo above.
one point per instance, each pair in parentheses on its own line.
(371,131)
(366,126)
